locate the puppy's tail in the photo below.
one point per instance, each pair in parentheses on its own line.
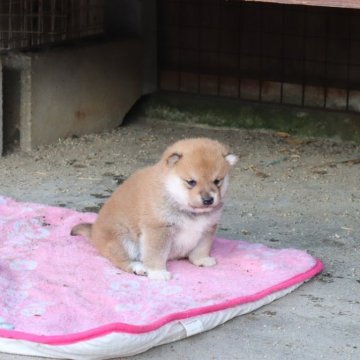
(83,229)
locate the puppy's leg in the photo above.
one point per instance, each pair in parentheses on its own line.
(200,255)
(110,245)
(112,251)
(155,248)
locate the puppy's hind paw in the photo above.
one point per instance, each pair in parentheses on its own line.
(205,261)
(159,275)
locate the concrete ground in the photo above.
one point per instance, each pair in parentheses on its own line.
(285,192)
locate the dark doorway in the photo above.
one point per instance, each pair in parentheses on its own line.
(11,109)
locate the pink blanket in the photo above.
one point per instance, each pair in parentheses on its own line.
(55,289)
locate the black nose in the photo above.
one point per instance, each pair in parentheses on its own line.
(207,200)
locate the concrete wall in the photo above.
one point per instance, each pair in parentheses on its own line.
(76,90)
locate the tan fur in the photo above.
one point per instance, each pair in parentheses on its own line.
(156,215)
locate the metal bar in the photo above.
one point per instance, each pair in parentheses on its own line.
(180,45)
(282,60)
(350,4)
(348,62)
(87,15)
(303,58)
(261,52)
(27,42)
(10,22)
(239,49)
(220,31)
(326,61)
(40,22)
(198,50)
(52,19)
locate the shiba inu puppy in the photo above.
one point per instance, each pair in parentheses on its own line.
(166,211)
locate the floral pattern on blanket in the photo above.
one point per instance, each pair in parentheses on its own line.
(54,284)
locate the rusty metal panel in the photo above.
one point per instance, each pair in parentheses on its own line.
(350,4)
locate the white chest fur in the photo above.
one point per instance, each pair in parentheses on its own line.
(189,234)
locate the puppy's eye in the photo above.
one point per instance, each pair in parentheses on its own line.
(218,182)
(191,183)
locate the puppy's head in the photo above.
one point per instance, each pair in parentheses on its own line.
(197,173)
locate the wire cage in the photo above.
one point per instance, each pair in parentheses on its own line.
(286,54)
(28,23)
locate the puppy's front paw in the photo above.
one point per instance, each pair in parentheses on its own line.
(159,275)
(205,261)
(138,268)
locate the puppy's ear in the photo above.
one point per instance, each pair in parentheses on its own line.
(173,159)
(232,159)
